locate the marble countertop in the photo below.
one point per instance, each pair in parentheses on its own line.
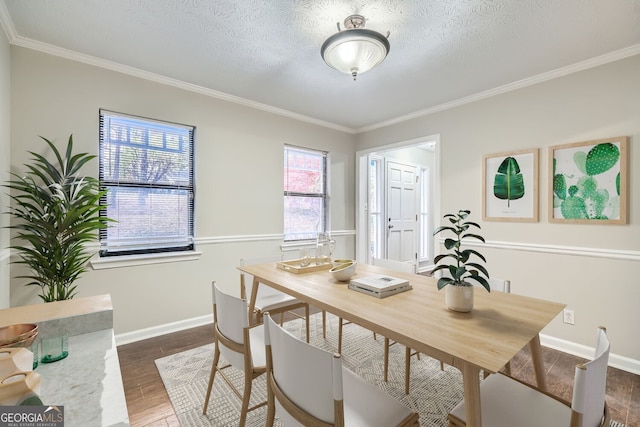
(88,382)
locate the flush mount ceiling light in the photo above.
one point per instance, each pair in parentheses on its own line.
(355,50)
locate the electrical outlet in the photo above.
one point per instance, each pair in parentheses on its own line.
(568,317)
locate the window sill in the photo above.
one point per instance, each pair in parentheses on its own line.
(146,259)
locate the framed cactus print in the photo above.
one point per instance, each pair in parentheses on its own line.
(588,182)
(510,186)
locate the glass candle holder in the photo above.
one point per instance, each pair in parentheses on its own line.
(54,348)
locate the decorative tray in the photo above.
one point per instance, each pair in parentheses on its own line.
(293,266)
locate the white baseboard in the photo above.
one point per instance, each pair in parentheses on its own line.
(616,361)
(167,328)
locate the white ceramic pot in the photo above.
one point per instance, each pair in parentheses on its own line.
(459,298)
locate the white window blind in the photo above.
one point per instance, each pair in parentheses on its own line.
(146,166)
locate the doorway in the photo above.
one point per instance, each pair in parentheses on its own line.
(398,197)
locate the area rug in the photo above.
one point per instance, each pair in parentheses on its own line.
(433,392)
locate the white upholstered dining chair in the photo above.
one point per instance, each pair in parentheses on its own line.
(269,299)
(240,345)
(308,386)
(508,402)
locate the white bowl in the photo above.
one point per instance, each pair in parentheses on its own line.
(343,272)
(337,262)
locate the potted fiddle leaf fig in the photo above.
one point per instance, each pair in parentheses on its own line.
(461,271)
(56,212)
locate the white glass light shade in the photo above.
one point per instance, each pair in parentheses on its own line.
(355,51)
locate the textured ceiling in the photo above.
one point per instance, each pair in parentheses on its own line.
(268,51)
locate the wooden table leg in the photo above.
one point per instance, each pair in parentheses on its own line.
(471,384)
(252,299)
(538,362)
(324,324)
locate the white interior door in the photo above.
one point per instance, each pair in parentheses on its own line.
(401,211)
(371,214)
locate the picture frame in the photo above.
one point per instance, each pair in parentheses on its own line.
(510,186)
(588,182)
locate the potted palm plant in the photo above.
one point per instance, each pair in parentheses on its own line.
(459,275)
(56,212)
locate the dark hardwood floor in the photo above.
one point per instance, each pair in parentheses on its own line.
(149,405)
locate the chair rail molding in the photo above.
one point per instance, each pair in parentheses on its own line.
(216,240)
(608,253)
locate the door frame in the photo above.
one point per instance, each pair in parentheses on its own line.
(362,220)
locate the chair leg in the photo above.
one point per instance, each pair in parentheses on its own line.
(340,335)
(407,367)
(271,405)
(386,359)
(248,380)
(214,366)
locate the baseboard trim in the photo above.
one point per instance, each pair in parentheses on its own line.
(616,361)
(167,328)
(586,352)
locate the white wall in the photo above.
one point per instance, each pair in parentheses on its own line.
(5,115)
(239,180)
(597,103)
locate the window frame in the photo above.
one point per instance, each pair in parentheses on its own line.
(162,247)
(324,195)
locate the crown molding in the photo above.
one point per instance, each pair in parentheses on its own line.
(530,81)
(168,81)
(6,23)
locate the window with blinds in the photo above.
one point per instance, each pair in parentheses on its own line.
(305,193)
(146,166)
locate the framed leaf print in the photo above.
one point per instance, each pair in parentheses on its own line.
(510,186)
(588,182)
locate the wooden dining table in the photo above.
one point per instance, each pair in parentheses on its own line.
(486,339)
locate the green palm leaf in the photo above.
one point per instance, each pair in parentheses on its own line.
(508,183)
(56,213)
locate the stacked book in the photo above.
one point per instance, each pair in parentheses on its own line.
(379,286)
